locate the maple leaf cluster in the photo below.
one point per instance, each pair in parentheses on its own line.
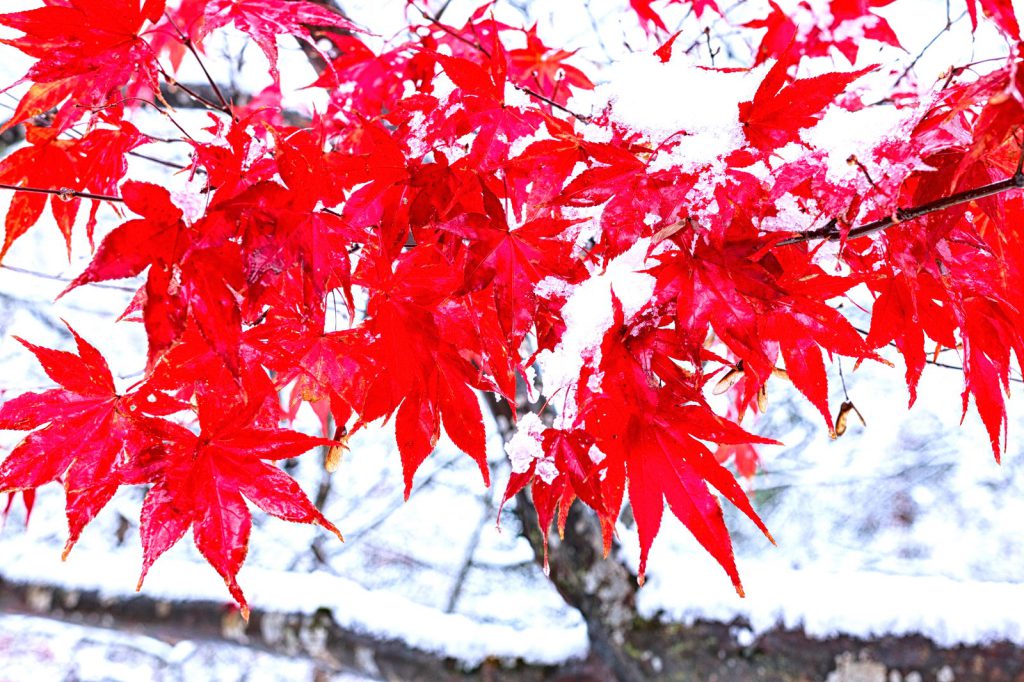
(455,204)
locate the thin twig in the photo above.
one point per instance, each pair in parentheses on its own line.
(842,378)
(711,51)
(162,162)
(864,171)
(477,46)
(547,100)
(944,365)
(910,67)
(173,82)
(58,278)
(187,42)
(63,193)
(440,12)
(453,34)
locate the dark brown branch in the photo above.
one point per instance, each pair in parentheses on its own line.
(902,215)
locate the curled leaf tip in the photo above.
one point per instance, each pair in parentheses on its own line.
(333,459)
(730,379)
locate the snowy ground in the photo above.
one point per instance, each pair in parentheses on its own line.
(47,651)
(907,525)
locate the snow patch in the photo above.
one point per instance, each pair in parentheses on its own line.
(661,99)
(353,607)
(588,315)
(525,445)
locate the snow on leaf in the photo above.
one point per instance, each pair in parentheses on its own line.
(779,109)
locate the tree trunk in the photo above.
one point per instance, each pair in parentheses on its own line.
(602,590)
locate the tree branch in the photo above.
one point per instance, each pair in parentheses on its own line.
(830,232)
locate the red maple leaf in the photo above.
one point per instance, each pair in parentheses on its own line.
(649,17)
(780,109)
(429,378)
(1001,11)
(543,70)
(483,110)
(157,237)
(515,261)
(94,162)
(379,79)
(324,365)
(578,476)
(86,51)
(46,162)
(83,433)
(657,444)
(744,456)
(199,481)
(789,36)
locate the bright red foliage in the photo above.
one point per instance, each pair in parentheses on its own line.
(86,50)
(456,205)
